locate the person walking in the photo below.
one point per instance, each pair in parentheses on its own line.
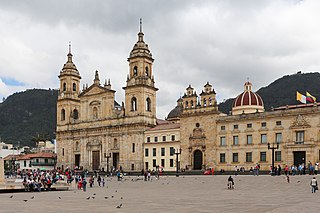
(314,185)
(230,183)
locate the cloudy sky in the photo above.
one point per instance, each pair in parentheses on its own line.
(223,42)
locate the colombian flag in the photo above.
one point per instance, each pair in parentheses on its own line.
(301,98)
(310,98)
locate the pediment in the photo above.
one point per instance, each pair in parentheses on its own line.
(299,122)
(94,90)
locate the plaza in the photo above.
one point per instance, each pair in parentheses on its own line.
(175,194)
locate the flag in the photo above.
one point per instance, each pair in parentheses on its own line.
(301,98)
(310,98)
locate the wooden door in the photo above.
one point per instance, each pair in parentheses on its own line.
(95,160)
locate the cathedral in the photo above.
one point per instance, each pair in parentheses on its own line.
(97,133)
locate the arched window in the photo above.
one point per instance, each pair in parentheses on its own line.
(187,104)
(95,112)
(115,143)
(210,101)
(63,115)
(75,114)
(74,87)
(148,105)
(77,146)
(135,71)
(204,102)
(133,104)
(147,71)
(64,86)
(191,103)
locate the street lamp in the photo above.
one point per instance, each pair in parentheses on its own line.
(177,153)
(273,147)
(107,156)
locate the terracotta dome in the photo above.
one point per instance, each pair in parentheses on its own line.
(247,101)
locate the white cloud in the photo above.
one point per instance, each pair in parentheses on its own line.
(223,42)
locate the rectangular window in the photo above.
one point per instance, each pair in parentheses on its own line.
(132,167)
(222,157)
(278,137)
(248,156)
(147,165)
(148,139)
(223,141)
(235,140)
(263,124)
(300,137)
(263,138)
(235,126)
(277,156)
(171,151)
(25,163)
(164,138)
(278,123)
(223,128)
(235,157)
(263,156)
(163,151)
(249,139)
(249,126)
(171,162)
(62,151)
(133,147)
(154,152)
(162,163)
(146,152)
(154,162)
(155,139)
(46,160)
(173,137)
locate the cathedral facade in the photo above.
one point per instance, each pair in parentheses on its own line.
(97,133)
(93,129)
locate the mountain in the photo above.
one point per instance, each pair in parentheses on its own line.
(31,115)
(282,91)
(28,116)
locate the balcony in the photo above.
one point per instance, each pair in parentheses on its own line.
(42,163)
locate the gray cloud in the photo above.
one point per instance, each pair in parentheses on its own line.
(223,42)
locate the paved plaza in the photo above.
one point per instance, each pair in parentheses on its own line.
(172,194)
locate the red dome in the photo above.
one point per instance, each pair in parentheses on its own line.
(248,98)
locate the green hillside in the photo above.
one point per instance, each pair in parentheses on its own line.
(29,115)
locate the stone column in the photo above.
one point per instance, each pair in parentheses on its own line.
(1,170)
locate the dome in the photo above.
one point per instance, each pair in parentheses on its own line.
(247,101)
(176,112)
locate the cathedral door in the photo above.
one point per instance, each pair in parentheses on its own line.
(299,157)
(95,160)
(115,159)
(77,160)
(197,160)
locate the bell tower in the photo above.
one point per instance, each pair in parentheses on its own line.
(68,104)
(140,91)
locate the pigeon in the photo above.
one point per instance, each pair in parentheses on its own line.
(11,196)
(121,198)
(32,197)
(105,197)
(112,196)
(93,197)
(118,207)
(59,197)
(298,181)
(94,194)
(88,198)
(116,191)
(25,200)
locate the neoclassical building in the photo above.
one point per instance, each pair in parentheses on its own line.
(95,132)
(93,129)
